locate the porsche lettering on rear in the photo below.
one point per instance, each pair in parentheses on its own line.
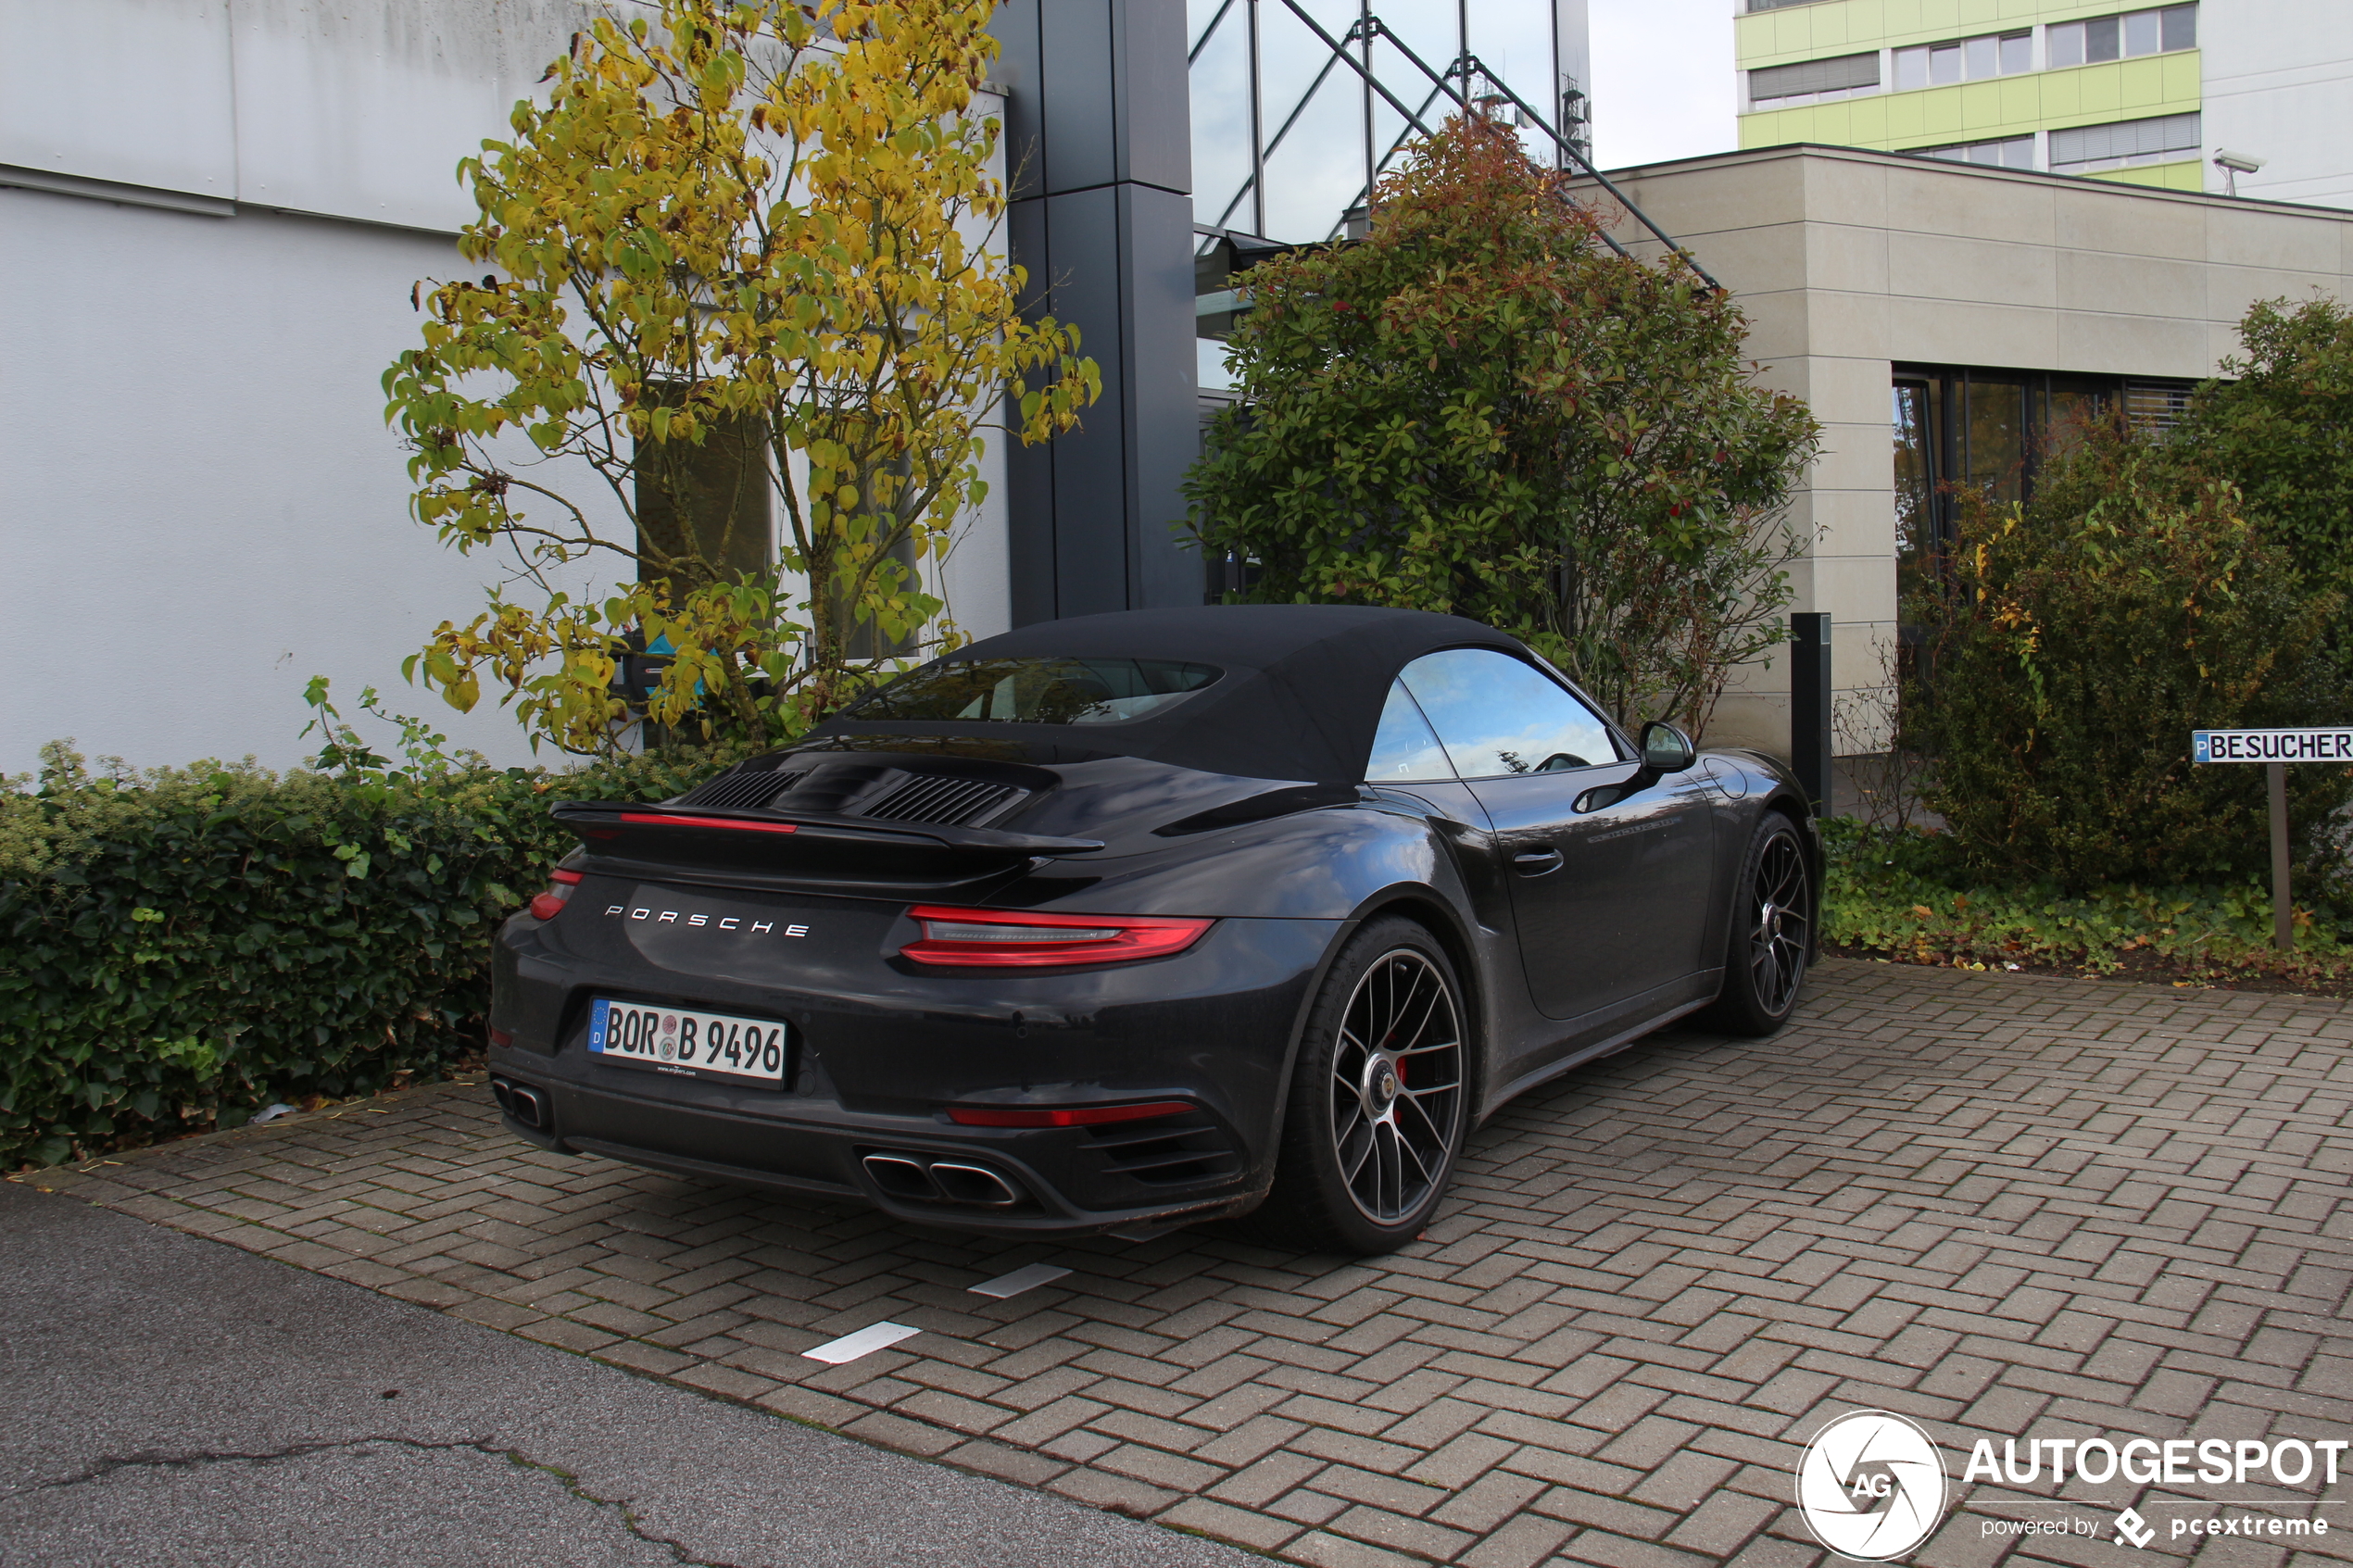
(717,923)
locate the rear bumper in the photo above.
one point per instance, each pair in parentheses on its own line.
(862,1118)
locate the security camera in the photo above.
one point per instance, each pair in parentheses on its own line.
(2238,163)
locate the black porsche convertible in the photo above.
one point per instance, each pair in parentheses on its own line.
(1147,918)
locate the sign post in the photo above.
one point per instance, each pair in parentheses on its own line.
(2283,920)
(2275,749)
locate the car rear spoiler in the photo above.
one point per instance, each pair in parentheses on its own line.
(635,837)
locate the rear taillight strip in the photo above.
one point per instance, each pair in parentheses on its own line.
(1061,1116)
(1030,939)
(665,820)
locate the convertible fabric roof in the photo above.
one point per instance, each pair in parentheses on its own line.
(1300,696)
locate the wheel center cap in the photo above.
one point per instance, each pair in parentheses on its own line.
(1772,922)
(1381,1086)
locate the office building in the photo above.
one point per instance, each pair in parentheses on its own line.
(209,251)
(2148,95)
(1939,319)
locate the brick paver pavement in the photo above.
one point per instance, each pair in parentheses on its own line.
(2003,1206)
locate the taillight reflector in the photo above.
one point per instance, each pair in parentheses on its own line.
(1060,1116)
(663,818)
(1025,939)
(550,904)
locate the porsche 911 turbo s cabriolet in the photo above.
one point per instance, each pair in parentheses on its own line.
(1149,918)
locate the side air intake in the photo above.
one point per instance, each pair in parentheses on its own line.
(740,790)
(936,798)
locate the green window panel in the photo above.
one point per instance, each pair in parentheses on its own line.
(2187,176)
(1778,37)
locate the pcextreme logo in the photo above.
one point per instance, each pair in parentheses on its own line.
(1871,1486)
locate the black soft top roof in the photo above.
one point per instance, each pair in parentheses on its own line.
(1300,696)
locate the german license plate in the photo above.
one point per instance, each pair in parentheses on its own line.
(690,1042)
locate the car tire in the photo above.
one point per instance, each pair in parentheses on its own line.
(1772,936)
(1379,1101)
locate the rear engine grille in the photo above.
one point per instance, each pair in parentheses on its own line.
(1166,1149)
(741,790)
(950,801)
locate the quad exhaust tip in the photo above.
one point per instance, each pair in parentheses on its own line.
(942,1180)
(526,1105)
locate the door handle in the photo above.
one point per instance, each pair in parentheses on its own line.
(1535,863)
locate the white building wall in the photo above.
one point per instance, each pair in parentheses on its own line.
(204,508)
(359,110)
(2279,85)
(207,254)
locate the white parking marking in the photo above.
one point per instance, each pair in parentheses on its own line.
(1018,1281)
(865,1342)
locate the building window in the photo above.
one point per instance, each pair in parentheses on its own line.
(2157,405)
(1968,59)
(1811,81)
(2116,38)
(2005,152)
(1959,429)
(704,504)
(2087,149)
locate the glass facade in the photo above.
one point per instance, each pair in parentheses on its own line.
(1287,137)
(1960,427)
(1296,114)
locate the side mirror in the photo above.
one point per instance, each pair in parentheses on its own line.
(1667,749)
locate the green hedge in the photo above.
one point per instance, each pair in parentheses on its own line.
(1917,898)
(181,945)
(2077,642)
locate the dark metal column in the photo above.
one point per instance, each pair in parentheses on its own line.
(1099,144)
(1810,706)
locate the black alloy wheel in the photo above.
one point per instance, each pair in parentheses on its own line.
(1772,933)
(1379,1100)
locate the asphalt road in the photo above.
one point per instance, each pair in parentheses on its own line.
(176,1402)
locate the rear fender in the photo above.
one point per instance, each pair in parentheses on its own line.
(1348,864)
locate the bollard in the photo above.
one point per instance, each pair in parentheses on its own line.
(1809,707)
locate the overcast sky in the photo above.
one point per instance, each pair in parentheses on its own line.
(1662,80)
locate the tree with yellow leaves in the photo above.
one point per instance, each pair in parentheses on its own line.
(745,270)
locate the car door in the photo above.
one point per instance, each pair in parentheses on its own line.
(1610,885)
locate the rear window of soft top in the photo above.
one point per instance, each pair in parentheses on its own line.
(1038,691)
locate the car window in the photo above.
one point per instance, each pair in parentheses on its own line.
(1405,749)
(1498,716)
(1038,691)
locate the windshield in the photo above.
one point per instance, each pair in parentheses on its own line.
(1038,691)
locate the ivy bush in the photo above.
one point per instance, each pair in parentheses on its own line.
(2279,422)
(2079,642)
(182,944)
